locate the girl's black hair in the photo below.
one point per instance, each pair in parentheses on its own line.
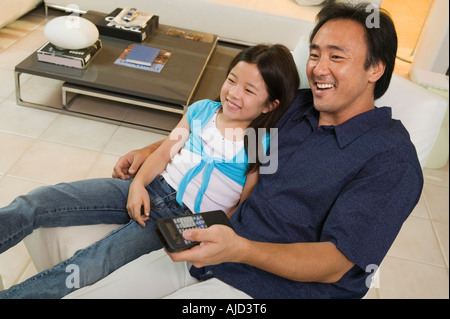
(279,72)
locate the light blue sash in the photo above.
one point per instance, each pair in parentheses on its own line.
(198,115)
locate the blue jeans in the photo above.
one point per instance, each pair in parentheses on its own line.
(89,202)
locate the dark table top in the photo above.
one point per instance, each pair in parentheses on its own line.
(175,84)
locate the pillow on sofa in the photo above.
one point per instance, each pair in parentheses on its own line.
(301,55)
(420,111)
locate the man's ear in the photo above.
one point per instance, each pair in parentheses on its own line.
(271,106)
(376,71)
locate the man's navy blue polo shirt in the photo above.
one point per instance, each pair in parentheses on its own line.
(353,184)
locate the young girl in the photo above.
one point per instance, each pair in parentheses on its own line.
(203,165)
(209,166)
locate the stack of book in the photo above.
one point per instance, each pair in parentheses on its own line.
(144,57)
(137,31)
(78,59)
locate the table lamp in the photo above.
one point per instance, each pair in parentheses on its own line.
(71,32)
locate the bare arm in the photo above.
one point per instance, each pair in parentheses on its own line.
(157,161)
(128,164)
(154,165)
(307,262)
(252,179)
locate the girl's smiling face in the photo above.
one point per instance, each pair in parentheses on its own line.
(244,94)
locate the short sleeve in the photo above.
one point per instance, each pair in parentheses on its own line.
(194,109)
(201,110)
(369,212)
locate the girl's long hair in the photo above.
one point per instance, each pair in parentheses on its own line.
(279,72)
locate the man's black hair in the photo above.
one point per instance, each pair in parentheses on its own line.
(381,37)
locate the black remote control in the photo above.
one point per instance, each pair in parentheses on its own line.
(170,230)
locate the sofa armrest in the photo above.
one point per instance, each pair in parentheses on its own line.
(12,10)
(420,111)
(49,246)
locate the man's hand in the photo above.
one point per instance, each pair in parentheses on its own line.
(128,165)
(305,262)
(218,244)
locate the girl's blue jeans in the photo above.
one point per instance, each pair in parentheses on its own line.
(88,202)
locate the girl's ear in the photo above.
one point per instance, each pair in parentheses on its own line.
(271,106)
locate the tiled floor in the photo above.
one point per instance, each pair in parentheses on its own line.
(37,148)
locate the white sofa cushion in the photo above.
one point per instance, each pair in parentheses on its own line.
(50,246)
(301,55)
(420,111)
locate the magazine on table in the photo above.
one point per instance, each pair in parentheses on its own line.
(144,58)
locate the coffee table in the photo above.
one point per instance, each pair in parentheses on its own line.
(171,91)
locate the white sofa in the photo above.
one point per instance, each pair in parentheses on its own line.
(12,10)
(247,21)
(420,111)
(239,21)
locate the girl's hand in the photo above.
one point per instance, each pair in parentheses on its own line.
(138,203)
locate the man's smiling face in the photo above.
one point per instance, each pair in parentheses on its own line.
(341,85)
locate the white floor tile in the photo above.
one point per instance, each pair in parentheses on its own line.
(126,139)
(12,147)
(417,241)
(10,57)
(6,83)
(75,131)
(404,279)
(103,167)
(52,163)
(11,187)
(24,120)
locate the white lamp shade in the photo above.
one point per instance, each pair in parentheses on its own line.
(71,32)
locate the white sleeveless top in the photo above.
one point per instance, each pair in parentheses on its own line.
(222,193)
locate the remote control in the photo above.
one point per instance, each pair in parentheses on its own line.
(131,14)
(170,230)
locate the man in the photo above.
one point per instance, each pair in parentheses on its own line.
(348,177)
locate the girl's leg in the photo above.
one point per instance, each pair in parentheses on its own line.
(88,202)
(101,258)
